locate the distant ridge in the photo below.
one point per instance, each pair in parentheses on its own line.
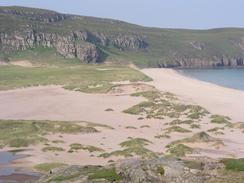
(95,40)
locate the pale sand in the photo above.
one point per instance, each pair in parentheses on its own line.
(215,98)
(22,63)
(55,103)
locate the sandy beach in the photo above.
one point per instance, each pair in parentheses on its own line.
(216,99)
(56,103)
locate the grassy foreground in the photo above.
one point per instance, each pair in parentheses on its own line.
(85,78)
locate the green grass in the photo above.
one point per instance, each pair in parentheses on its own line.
(53,149)
(180,150)
(46,167)
(89,148)
(176,129)
(160,105)
(178,122)
(164,135)
(139,108)
(200,137)
(219,119)
(216,129)
(22,133)
(234,164)
(133,147)
(108,174)
(84,78)
(195,126)
(78,173)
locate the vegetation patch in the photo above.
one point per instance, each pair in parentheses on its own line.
(108,174)
(145,126)
(133,146)
(234,164)
(97,125)
(84,78)
(160,105)
(201,137)
(219,119)
(58,141)
(90,148)
(46,167)
(195,126)
(176,129)
(178,122)
(109,110)
(164,135)
(160,170)
(130,127)
(196,112)
(238,125)
(53,149)
(179,150)
(22,133)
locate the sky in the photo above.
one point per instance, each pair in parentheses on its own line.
(189,14)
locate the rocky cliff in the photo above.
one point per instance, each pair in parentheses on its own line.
(70,43)
(74,44)
(89,39)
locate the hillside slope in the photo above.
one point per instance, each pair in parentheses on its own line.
(94,40)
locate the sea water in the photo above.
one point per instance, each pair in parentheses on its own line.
(230,78)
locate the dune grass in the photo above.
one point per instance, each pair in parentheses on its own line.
(176,129)
(53,149)
(179,150)
(84,78)
(22,133)
(133,147)
(89,148)
(46,167)
(160,105)
(219,119)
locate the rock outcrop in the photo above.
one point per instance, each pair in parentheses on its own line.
(70,42)
(75,44)
(160,170)
(189,62)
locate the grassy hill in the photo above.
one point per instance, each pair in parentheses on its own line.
(143,46)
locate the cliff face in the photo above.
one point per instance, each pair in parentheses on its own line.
(75,44)
(90,39)
(36,27)
(182,62)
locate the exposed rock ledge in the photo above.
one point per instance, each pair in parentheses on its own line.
(75,44)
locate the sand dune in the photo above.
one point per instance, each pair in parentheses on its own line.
(215,98)
(56,103)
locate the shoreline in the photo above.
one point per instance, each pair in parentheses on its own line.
(216,98)
(177,71)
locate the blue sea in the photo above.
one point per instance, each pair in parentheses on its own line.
(230,78)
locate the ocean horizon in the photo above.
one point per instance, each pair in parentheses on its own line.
(226,77)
